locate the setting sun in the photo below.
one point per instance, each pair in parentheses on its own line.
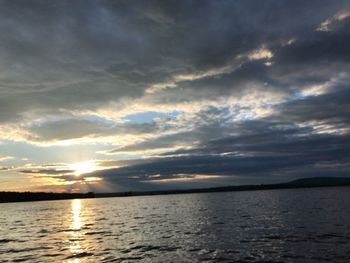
(83,167)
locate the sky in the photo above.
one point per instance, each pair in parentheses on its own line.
(135,95)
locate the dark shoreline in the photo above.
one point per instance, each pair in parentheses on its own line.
(9,197)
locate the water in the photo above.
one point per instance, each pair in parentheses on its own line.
(301,225)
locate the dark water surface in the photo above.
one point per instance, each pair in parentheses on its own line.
(301,225)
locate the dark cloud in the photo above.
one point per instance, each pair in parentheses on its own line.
(271,148)
(274,158)
(46,171)
(84,54)
(71,128)
(331,108)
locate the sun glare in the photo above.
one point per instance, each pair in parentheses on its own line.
(83,167)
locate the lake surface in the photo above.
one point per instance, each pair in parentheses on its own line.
(295,225)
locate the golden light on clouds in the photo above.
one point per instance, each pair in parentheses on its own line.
(186,177)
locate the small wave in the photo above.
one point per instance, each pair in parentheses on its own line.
(68,230)
(80,255)
(147,248)
(291,256)
(328,236)
(22,259)
(8,240)
(98,233)
(27,249)
(76,239)
(194,249)
(274,237)
(52,255)
(43,231)
(126,259)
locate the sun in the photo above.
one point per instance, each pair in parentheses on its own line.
(83,167)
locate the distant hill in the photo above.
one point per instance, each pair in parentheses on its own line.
(321,181)
(299,183)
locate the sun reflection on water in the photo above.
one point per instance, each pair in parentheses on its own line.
(76,207)
(76,237)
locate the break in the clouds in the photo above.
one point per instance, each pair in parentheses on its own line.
(110,95)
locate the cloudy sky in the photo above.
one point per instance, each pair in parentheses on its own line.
(107,95)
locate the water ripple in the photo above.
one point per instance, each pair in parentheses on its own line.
(260,226)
